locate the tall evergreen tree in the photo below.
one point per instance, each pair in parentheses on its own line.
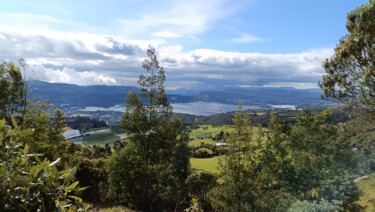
(12,91)
(236,191)
(350,72)
(156,162)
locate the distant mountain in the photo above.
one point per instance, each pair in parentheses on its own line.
(82,96)
(69,95)
(264,96)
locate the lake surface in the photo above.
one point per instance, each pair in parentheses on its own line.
(196,108)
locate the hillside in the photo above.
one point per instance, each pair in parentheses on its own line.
(70,95)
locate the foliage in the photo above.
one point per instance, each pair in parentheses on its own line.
(235,193)
(47,138)
(322,206)
(12,91)
(199,184)
(156,162)
(93,173)
(316,157)
(203,153)
(350,72)
(28,183)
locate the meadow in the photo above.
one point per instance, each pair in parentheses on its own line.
(209,131)
(206,164)
(367,187)
(99,137)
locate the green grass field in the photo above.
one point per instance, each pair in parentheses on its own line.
(367,200)
(100,139)
(209,131)
(206,164)
(198,142)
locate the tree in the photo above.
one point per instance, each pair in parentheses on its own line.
(322,165)
(47,138)
(236,191)
(156,162)
(350,72)
(12,91)
(199,185)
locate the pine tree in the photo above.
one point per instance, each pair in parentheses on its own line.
(235,192)
(156,162)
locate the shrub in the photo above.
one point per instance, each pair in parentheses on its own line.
(203,153)
(29,184)
(322,206)
(94,174)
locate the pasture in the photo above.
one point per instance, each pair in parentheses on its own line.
(99,137)
(209,131)
(206,164)
(198,142)
(367,187)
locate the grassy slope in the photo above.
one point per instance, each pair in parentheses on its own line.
(367,186)
(100,139)
(205,164)
(209,131)
(198,142)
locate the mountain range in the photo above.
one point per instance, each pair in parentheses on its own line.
(70,95)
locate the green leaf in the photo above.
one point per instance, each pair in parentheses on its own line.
(72,186)
(36,156)
(82,188)
(75,198)
(21,180)
(27,132)
(69,175)
(2,123)
(14,122)
(26,149)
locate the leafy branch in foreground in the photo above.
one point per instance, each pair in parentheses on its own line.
(28,183)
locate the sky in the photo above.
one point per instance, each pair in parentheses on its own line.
(202,44)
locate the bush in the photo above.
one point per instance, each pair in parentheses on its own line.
(199,184)
(322,206)
(203,153)
(29,184)
(94,174)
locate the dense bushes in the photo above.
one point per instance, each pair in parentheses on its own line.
(28,183)
(203,153)
(207,150)
(93,173)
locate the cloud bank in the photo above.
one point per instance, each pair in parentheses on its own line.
(90,58)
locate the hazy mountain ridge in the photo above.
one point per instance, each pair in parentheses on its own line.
(107,96)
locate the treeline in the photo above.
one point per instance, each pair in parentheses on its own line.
(258,118)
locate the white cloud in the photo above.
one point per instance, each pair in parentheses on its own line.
(88,58)
(70,75)
(165,34)
(297,85)
(179,17)
(246,38)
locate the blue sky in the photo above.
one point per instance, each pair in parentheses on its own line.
(200,43)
